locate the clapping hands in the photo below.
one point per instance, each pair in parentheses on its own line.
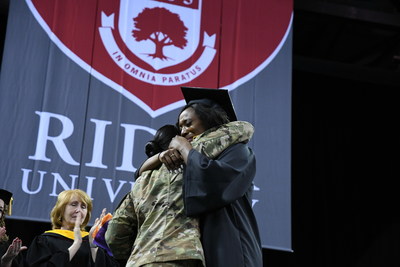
(13,250)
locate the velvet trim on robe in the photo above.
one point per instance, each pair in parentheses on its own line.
(67,233)
(51,249)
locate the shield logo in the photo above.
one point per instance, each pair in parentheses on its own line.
(161,34)
(147,49)
(154,35)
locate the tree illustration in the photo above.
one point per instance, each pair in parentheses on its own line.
(162,27)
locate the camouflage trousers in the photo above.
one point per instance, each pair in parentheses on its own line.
(181,263)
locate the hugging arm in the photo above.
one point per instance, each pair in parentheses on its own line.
(122,229)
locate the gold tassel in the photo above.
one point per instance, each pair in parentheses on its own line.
(10,207)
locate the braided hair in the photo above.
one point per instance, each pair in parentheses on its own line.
(161,140)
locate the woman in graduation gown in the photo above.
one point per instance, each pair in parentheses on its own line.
(218,191)
(68,244)
(10,251)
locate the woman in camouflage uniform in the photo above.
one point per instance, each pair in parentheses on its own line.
(218,190)
(150,226)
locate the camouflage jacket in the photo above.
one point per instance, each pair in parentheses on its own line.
(150,224)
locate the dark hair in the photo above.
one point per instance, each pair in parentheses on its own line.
(209,112)
(161,140)
(4,238)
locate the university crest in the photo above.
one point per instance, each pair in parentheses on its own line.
(147,49)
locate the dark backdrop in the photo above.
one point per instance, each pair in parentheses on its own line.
(346,84)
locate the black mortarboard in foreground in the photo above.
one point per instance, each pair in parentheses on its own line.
(6,196)
(202,95)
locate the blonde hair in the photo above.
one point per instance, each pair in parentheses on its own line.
(62,200)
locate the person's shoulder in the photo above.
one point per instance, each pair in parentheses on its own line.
(239,149)
(243,125)
(47,235)
(239,130)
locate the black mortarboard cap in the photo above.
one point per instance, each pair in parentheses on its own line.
(220,96)
(6,196)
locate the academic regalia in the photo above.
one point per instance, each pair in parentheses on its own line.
(51,249)
(219,193)
(209,96)
(7,197)
(17,261)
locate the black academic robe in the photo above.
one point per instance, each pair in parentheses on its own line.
(219,192)
(17,261)
(51,249)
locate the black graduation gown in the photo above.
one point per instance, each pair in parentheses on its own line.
(17,261)
(219,192)
(51,249)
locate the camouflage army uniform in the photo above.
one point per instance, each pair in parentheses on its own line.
(150,225)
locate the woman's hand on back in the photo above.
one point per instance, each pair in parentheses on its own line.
(181,145)
(171,158)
